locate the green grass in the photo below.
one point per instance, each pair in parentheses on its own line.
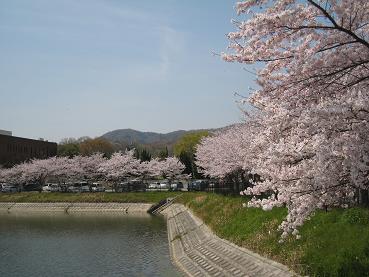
(132,197)
(334,243)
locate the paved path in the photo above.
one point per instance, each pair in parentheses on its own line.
(198,252)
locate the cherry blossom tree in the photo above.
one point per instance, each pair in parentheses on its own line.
(315,160)
(151,169)
(171,168)
(12,175)
(120,166)
(310,49)
(38,170)
(2,174)
(86,167)
(34,171)
(222,156)
(226,151)
(310,143)
(60,168)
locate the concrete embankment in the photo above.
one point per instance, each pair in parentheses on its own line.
(198,252)
(127,208)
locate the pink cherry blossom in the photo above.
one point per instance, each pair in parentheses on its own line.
(310,139)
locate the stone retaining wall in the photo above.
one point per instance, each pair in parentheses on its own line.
(128,208)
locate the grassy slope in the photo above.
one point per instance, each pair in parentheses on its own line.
(334,243)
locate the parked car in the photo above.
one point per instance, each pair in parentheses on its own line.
(32,187)
(64,187)
(176,186)
(79,187)
(198,185)
(8,188)
(119,187)
(85,187)
(132,185)
(51,188)
(163,186)
(137,185)
(97,187)
(154,185)
(73,188)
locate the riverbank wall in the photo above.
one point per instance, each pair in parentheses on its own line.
(127,208)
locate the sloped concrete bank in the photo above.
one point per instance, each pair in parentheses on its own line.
(199,252)
(128,208)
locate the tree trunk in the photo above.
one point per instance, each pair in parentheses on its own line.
(364,197)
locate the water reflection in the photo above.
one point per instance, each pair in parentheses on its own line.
(84,245)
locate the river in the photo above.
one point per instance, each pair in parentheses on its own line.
(84,245)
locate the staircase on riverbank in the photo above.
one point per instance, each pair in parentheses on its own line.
(163,204)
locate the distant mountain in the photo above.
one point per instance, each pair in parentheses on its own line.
(131,136)
(151,140)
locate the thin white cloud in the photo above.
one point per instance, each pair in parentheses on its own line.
(172,47)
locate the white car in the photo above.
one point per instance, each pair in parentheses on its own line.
(164,186)
(154,186)
(96,187)
(51,188)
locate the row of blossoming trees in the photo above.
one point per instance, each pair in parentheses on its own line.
(307,137)
(120,167)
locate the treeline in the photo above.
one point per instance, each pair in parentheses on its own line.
(184,149)
(121,166)
(86,146)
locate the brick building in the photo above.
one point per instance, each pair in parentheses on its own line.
(14,150)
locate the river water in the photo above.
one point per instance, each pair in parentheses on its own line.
(84,245)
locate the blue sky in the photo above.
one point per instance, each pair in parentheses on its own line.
(72,68)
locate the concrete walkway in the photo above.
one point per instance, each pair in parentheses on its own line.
(198,252)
